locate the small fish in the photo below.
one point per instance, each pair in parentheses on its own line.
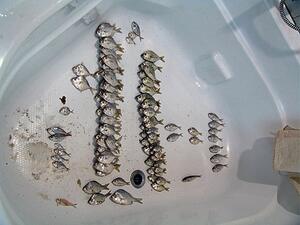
(151,130)
(213,131)
(194,132)
(150,64)
(157,148)
(100,140)
(149,71)
(159,188)
(146,149)
(158,156)
(60,158)
(57,130)
(217,158)
(161,181)
(111,62)
(113,121)
(190,178)
(152,178)
(129,40)
(173,137)
(80,70)
(58,137)
(111,110)
(64,202)
(195,140)
(93,187)
(151,56)
(107,30)
(145,142)
(132,36)
(149,112)
(108,130)
(218,167)
(172,127)
(107,157)
(153,136)
(136,29)
(111,78)
(65,111)
(152,120)
(98,198)
(158,171)
(214,138)
(61,152)
(122,197)
(214,117)
(63,100)
(81,84)
(108,87)
(215,148)
(113,143)
(60,165)
(148,90)
(149,162)
(109,42)
(111,97)
(143,134)
(111,52)
(150,103)
(141,97)
(119,181)
(151,83)
(106,168)
(215,124)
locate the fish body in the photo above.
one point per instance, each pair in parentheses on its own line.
(110,77)
(107,157)
(59,158)
(136,29)
(215,148)
(214,117)
(151,56)
(108,130)
(194,132)
(112,111)
(159,188)
(130,40)
(151,83)
(113,121)
(93,187)
(106,168)
(149,112)
(113,143)
(218,167)
(214,131)
(64,202)
(110,52)
(157,171)
(214,138)
(108,87)
(111,62)
(60,165)
(217,158)
(161,181)
(145,142)
(80,70)
(58,137)
(150,103)
(107,30)
(65,111)
(98,198)
(190,178)
(149,71)
(174,137)
(141,97)
(81,84)
(148,90)
(150,64)
(172,127)
(122,197)
(215,124)
(111,97)
(119,181)
(152,120)
(152,178)
(57,130)
(195,140)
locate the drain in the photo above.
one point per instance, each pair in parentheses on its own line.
(137,179)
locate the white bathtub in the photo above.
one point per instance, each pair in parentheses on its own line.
(235,58)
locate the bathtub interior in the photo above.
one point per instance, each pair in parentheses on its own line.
(209,68)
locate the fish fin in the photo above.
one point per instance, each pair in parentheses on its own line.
(159,68)
(106,186)
(121,71)
(167,181)
(226,165)
(117,167)
(181,134)
(139,200)
(107,194)
(221,139)
(69,133)
(118,30)
(225,156)
(161,122)
(162,58)
(141,38)
(74,205)
(167,189)
(179,127)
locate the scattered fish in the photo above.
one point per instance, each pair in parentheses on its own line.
(215,124)
(151,56)
(173,137)
(81,84)
(218,167)
(172,127)
(195,140)
(93,187)
(215,148)
(217,158)
(190,178)
(214,117)
(194,132)
(80,70)
(98,198)
(107,30)
(64,202)
(214,138)
(65,111)
(60,165)
(122,197)
(119,181)
(136,29)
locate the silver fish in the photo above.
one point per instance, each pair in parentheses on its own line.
(153,136)
(149,71)
(111,62)
(106,168)
(65,111)
(112,111)
(215,148)
(122,197)
(151,130)
(151,56)
(190,178)
(141,97)
(108,130)
(173,137)
(113,143)
(60,158)
(108,87)
(146,149)
(143,134)
(149,162)
(98,198)
(148,90)
(106,51)
(152,120)
(101,149)
(151,83)
(172,127)
(217,158)
(132,35)
(111,97)
(58,137)
(158,171)
(119,181)
(161,181)
(109,42)
(159,188)
(81,84)
(129,40)
(149,111)
(213,131)
(60,165)
(57,130)
(218,167)
(150,64)
(214,138)
(116,71)
(215,124)
(157,148)
(80,70)
(194,132)
(107,30)
(113,121)
(61,152)
(214,117)
(158,156)
(136,29)
(152,178)
(110,77)
(93,187)
(195,140)
(107,157)
(100,140)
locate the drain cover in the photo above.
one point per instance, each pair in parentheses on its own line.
(137,179)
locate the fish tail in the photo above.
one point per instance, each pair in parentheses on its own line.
(161,122)
(167,189)
(74,205)
(226,165)
(181,134)
(167,181)
(69,133)
(108,194)
(159,68)
(225,156)
(220,139)
(117,167)
(106,186)
(141,38)
(158,91)
(162,58)
(139,200)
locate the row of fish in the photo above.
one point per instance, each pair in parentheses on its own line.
(108,138)
(149,108)
(121,197)
(134,33)
(215,126)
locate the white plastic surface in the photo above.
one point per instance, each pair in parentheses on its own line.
(222,56)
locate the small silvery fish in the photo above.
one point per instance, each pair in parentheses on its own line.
(113,143)
(61,152)
(172,127)
(111,110)
(109,42)
(111,62)
(190,178)
(98,198)
(151,56)
(149,71)
(113,121)
(152,120)
(106,168)
(107,30)
(150,103)
(111,78)
(57,130)
(150,83)
(111,97)
(81,84)
(145,142)
(150,64)
(153,136)
(65,111)
(215,148)
(108,87)
(80,70)
(64,202)
(122,197)
(132,36)
(161,181)
(159,188)
(130,40)
(214,117)
(152,130)
(119,181)
(158,171)
(100,140)
(141,97)
(218,167)
(215,124)
(93,187)
(146,149)
(217,158)
(106,51)
(213,131)
(107,157)
(59,158)
(143,134)
(58,146)
(195,140)
(194,132)
(148,90)
(149,162)
(58,137)
(136,29)
(149,112)
(173,137)
(60,165)
(214,138)
(108,130)
(157,157)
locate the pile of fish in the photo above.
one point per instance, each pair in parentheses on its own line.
(135,32)
(217,159)
(149,109)
(120,196)
(108,138)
